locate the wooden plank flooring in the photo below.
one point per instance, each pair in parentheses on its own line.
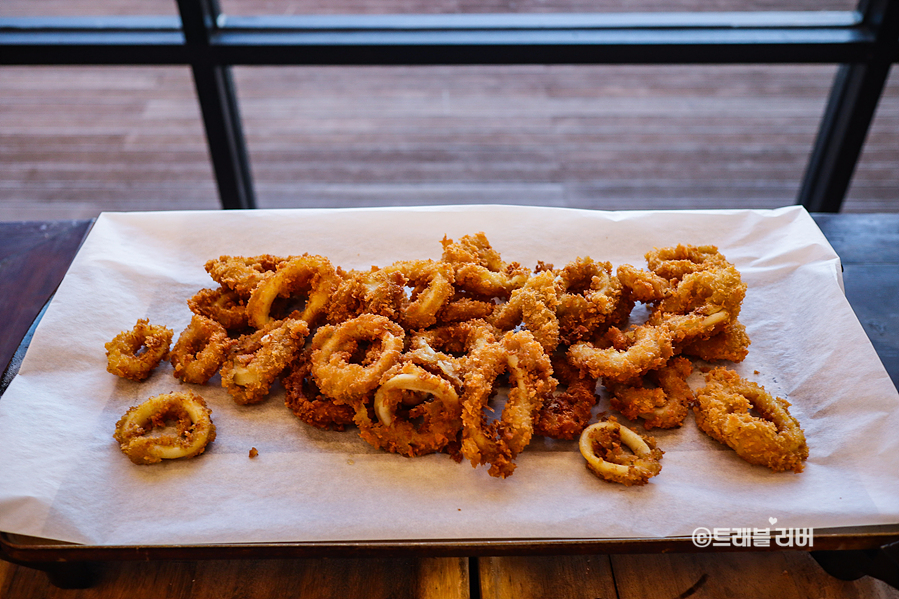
(786,575)
(387,578)
(77,141)
(606,136)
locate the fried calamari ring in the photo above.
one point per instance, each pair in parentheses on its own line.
(200,350)
(621,315)
(487,283)
(479,269)
(731,344)
(460,308)
(134,354)
(644,286)
(256,360)
(647,347)
(194,429)
(306,401)
(432,286)
(589,294)
(409,394)
(312,274)
(422,352)
(445,350)
(600,444)
(663,406)
(222,305)
(472,249)
(376,291)
(458,338)
(498,443)
(723,410)
(567,412)
(533,305)
(242,274)
(334,347)
(702,304)
(481,442)
(674,263)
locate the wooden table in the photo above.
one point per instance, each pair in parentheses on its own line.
(33,259)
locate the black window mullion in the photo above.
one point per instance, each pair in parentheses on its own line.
(218,104)
(850,110)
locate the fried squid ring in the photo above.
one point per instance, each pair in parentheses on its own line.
(731,344)
(674,263)
(432,286)
(663,406)
(702,304)
(648,347)
(306,401)
(643,285)
(481,443)
(444,350)
(533,305)
(409,394)
(600,444)
(222,305)
(375,292)
(256,360)
(498,443)
(708,291)
(242,274)
(335,346)
(422,353)
(472,249)
(313,274)
(134,354)
(589,294)
(724,408)
(567,412)
(200,350)
(479,269)
(194,429)
(460,308)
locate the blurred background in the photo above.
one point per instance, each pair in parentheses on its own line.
(75,141)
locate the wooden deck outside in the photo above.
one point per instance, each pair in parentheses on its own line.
(77,141)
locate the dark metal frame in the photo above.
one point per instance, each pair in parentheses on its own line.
(865,42)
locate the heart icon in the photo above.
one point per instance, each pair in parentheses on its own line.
(773,521)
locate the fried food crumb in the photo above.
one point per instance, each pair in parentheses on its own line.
(253,452)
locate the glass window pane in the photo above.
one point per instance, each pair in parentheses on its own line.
(875,184)
(611,137)
(297,7)
(75,141)
(71,8)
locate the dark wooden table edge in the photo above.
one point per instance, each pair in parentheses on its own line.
(847,554)
(834,539)
(12,364)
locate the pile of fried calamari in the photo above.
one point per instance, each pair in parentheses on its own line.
(412,354)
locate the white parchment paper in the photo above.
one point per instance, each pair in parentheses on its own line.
(63,477)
